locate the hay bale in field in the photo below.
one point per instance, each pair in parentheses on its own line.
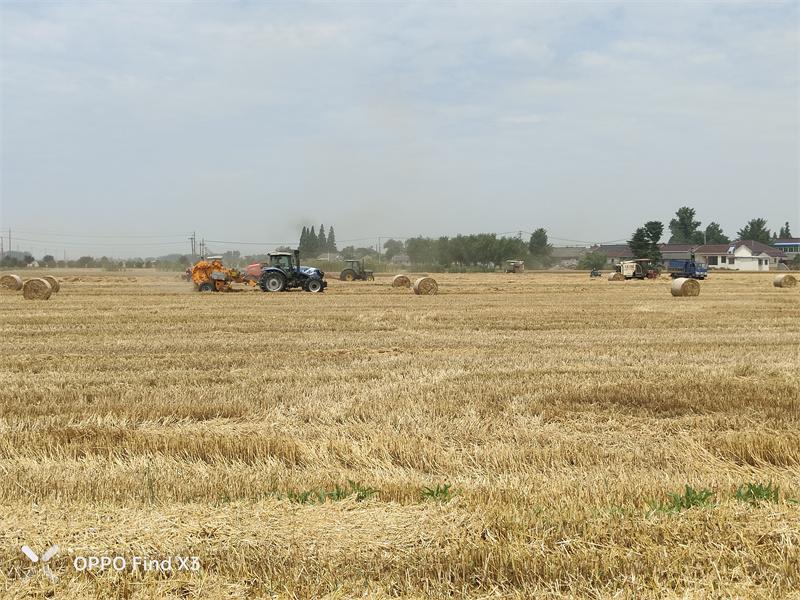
(616,277)
(784,281)
(36,289)
(401,281)
(683,286)
(53,283)
(11,282)
(426,286)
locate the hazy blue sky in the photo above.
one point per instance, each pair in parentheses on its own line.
(246,120)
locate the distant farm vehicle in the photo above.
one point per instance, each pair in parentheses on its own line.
(687,268)
(209,275)
(284,272)
(355,270)
(638,269)
(595,273)
(515,266)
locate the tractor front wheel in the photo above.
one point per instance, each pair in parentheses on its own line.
(274,282)
(314,286)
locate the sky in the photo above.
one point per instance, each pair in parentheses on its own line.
(125,126)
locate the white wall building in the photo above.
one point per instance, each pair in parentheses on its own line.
(741,255)
(789,246)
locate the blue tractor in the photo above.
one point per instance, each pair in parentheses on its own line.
(284,272)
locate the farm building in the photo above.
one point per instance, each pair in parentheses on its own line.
(676,251)
(615,253)
(741,255)
(789,246)
(568,256)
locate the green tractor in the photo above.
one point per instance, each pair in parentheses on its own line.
(355,270)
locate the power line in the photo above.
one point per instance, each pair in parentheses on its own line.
(101,236)
(99,244)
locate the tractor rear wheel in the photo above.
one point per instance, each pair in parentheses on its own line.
(274,282)
(314,286)
(348,275)
(206,286)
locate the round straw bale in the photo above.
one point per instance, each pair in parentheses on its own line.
(616,277)
(11,282)
(784,281)
(683,286)
(401,281)
(53,283)
(36,289)
(426,286)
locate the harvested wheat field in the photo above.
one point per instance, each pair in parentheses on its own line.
(522,436)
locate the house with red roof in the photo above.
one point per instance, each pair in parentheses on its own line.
(741,255)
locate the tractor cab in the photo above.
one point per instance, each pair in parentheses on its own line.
(355,270)
(283,260)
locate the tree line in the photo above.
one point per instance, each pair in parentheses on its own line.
(313,243)
(475,250)
(481,250)
(684,229)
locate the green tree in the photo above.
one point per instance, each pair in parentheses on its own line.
(640,243)
(785,232)
(10,261)
(420,250)
(539,248)
(86,261)
(684,228)
(313,240)
(592,260)
(331,247)
(322,240)
(393,248)
(509,248)
(714,235)
(756,229)
(303,239)
(308,242)
(655,229)
(48,260)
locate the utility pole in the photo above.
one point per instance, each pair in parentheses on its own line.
(193,240)
(9,240)
(2,250)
